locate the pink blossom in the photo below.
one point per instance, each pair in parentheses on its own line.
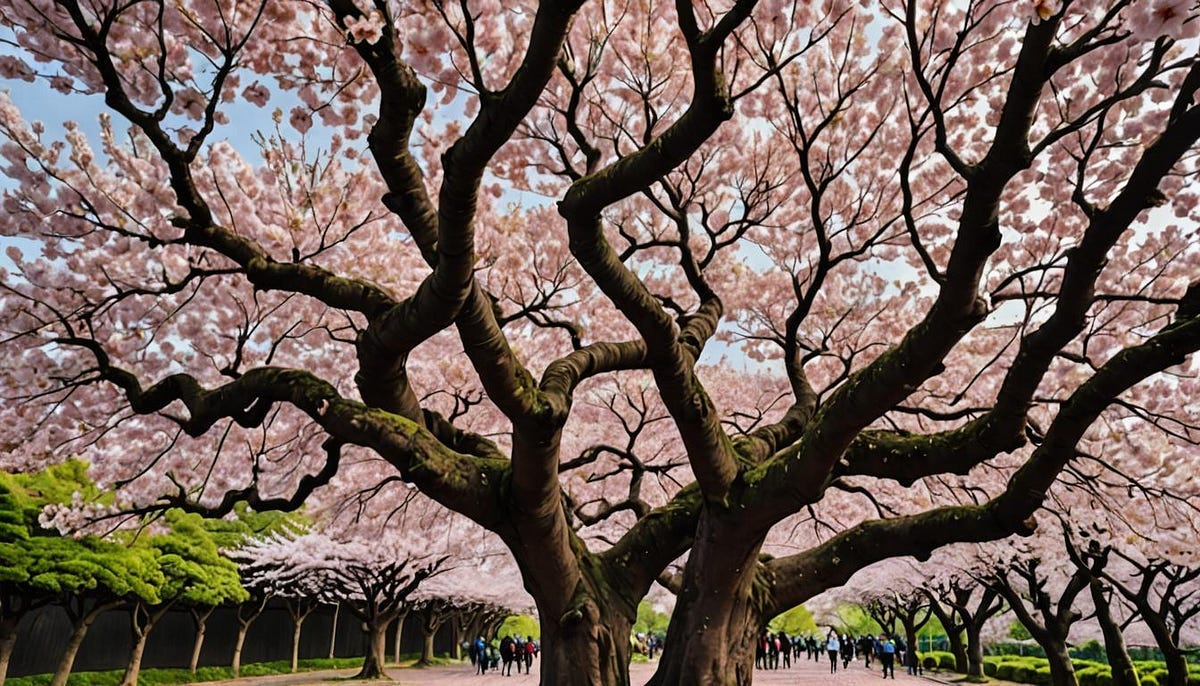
(256,94)
(300,119)
(365,29)
(1170,18)
(15,68)
(191,101)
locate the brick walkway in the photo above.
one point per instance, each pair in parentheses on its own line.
(802,673)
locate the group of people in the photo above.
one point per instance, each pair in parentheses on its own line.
(775,650)
(647,644)
(887,649)
(503,655)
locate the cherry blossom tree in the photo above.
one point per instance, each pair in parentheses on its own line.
(1143,557)
(787,288)
(374,579)
(1047,594)
(1092,561)
(266,566)
(963,606)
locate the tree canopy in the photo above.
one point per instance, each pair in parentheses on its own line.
(739,297)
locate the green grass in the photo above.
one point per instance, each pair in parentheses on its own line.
(169,677)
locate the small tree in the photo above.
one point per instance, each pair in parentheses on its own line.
(1043,598)
(195,575)
(86,575)
(372,579)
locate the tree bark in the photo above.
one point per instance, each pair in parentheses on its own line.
(141,632)
(83,622)
(455,636)
(962,657)
(238,642)
(588,646)
(717,615)
(427,647)
(376,651)
(200,620)
(974,651)
(432,616)
(299,609)
(244,622)
(8,640)
(1123,672)
(399,622)
(337,608)
(1062,670)
(296,627)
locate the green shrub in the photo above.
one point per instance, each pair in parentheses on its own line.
(990,668)
(1023,673)
(929,662)
(1004,671)
(1087,676)
(947,661)
(1148,680)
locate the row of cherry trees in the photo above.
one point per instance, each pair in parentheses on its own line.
(743,295)
(174,565)
(185,563)
(1118,576)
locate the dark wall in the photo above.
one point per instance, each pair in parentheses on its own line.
(42,636)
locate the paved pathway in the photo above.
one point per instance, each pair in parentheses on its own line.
(802,673)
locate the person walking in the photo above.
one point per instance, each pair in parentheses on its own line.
(833,646)
(887,655)
(479,648)
(866,648)
(531,650)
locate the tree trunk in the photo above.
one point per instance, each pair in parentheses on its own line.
(140,632)
(244,621)
(1177,667)
(297,625)
(962,654)
(376,651)
(238,642)
(1062,671)
(400,631)
(432,616)
(910,640)
(456,636)
(588,646)
(8,639)
(83,622)
(974,650)
(716,620)
(337,608)
(427,647)
(399,634)
(1123,672)
(200,620)
(135,659)
(298,609)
